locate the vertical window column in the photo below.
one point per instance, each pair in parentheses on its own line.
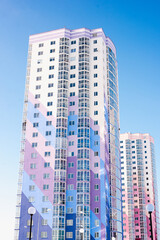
(59,202)
(83,166)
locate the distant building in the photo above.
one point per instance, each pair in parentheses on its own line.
(138,186)
(70,156)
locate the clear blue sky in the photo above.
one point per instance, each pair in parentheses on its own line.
(133,26)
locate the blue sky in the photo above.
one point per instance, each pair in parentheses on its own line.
(133,26)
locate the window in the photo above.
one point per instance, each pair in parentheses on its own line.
(94,41)
(53,42)
(96,122)
(96,223)
(69,235)
(36,105)
(96,187)
(39,69)
(72,84)
(69,210)
(52,50)
(96,154)
(33,155)
(48,133)
(72,103)
(95,93)
(96,164)
(34,145)
(31,187)
(32,177)
(41,44)
(71,123)
(70,222)
(95,132)
(46,175)
(73,42)
(95,75)
(95,50)
(95,103)
(47,143)
(40,53)
(47,154)
(95,58)
(70,198)
(95,112)
(45,186)
(45,199)
(44,210)
(47,164)
(44,222)
(31,199)
(51,67)
(49,104)
(95,84)
(71,133)
(95,143)
(73,67)
(72,94)
(51,85)
(96,175)
(48,123)
(38,87)
(73,50)
(72,75)
(50,94)
(52,59)
(95,66)
(71,113)
(71,164)
(37,96)
(96,210)
(32,166)
(70,186)
(70,154)
(96,235)
(35,134)
(49,113)
(36,115)
(71,143)
(51,76)
(38,78)
(70,176)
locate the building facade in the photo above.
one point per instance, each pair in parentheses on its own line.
(138,186)
(70,156)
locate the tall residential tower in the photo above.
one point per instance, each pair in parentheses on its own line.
(138,186)
(70,157)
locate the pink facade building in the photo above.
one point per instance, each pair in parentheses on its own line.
(138,186)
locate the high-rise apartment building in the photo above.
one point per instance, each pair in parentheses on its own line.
(70,156)
(138,186)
